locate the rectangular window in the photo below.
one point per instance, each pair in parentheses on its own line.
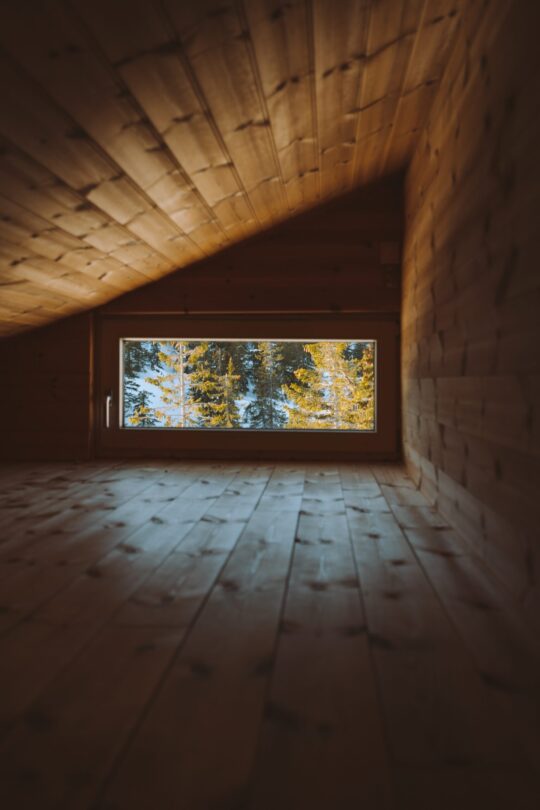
(261,387)
(326,385)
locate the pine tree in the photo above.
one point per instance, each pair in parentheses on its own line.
(177,407)
(363,411)
(228,413)
(215,388)
(327,385)
(241,353)
(139,356)
(143,414)
(336,393)
(313,402)
(295,357)
(198,386)
(266,411)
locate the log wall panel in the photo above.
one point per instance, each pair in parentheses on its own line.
(45,407)
(341,257)
(470,361)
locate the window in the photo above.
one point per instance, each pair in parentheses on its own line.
(233,386)
(244,384)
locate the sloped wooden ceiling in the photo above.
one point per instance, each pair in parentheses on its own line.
(137,137)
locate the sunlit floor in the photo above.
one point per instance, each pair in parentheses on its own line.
(179,636)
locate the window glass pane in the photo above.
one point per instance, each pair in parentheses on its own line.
(257,385)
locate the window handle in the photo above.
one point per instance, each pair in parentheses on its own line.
(108,404)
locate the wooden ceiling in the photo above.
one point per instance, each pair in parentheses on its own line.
(137,136)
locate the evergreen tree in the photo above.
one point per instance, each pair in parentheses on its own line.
(240,352)
(198,386)
(363,411)
(217,355)
(268,373)
(142,415)
(139,356)
(335,393)
(215,388)
(326,385)
(227,413)
(308,398)
(295,356)
(177,406)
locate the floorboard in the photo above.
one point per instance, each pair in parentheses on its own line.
(234,636)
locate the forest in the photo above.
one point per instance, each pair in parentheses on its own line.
(265,385)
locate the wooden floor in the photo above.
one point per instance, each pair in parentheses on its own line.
(198,636)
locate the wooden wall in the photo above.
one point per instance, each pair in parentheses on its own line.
(46,392)
(471,295)
(340,258)
(343,256)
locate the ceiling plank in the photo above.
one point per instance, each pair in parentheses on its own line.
(281,46)
(220,58)
(148,56)
(390,44)
(86,86)
(32,233)
(48,135)
(420,79)
(340,44)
